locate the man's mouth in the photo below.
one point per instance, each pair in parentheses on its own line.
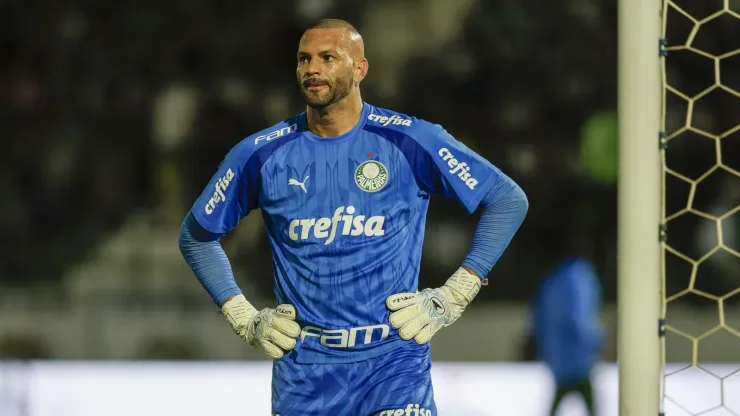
(314,85)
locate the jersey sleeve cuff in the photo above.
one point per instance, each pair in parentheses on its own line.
(203,223)
(472,204)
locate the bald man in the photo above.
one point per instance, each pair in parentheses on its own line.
(343,189)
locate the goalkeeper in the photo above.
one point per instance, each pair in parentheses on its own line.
(343,189)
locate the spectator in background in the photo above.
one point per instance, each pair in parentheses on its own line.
(566,328)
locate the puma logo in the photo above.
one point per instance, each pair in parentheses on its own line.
(296,183)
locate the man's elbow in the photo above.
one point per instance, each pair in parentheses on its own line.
(522,201)
(184,238)
(192,234)
(188,236)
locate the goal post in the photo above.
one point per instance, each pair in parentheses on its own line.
(639,208)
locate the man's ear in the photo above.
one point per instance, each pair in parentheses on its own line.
(361,71)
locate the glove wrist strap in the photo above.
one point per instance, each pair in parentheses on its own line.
(465,284)
(238,311)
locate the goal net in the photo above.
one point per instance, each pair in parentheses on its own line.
(700,147)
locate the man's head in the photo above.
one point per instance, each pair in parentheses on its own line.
(331,62)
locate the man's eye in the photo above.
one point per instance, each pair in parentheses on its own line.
(303,59)
(328,58)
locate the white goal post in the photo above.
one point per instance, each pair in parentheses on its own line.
(639,208)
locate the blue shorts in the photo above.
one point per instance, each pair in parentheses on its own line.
(385,385)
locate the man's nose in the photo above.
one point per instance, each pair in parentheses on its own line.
(313,68)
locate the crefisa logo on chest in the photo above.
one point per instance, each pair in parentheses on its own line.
(371,176)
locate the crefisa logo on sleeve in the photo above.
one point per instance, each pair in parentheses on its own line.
(457,167)
(219,193)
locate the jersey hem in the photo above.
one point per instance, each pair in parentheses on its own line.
(311,357)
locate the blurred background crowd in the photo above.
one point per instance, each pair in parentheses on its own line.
(113,117)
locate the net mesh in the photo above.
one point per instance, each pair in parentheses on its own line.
(700,144)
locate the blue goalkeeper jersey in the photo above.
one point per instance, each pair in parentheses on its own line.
(345,218)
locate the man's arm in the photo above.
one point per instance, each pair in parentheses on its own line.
(273,330)
(444,166)
(230,195)
(504,208)
(421,315)
(204,254)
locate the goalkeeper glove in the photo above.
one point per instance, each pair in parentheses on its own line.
(420,315)
(273,330)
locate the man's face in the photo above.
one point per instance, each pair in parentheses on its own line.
(326,68)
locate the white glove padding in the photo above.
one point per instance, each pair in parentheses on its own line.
(420,315)
(273,330)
